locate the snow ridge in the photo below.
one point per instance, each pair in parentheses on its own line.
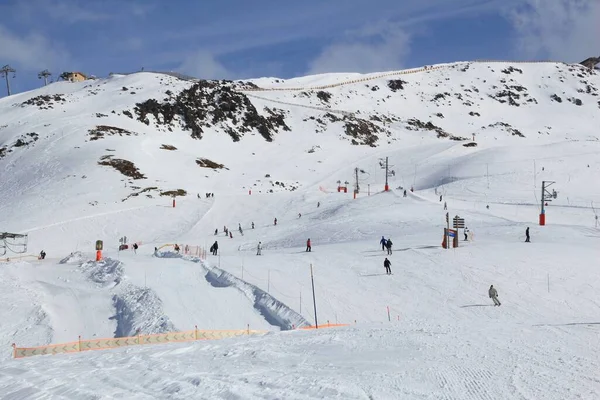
(274,311)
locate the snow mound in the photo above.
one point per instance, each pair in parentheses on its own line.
(139,310)
(104,272)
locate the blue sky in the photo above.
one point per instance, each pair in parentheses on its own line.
(235,39)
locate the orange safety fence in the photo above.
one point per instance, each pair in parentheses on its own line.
(198,251)
(160,338)
(19,257)
(327,325)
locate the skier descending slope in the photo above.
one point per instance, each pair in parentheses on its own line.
(388,266)
(382,242)
(258,249)
(388,245)
(493,293)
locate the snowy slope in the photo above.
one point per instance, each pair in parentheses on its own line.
(444,340)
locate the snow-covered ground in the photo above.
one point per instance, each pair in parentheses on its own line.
(442,338)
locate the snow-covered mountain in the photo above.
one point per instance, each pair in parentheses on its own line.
(102,159)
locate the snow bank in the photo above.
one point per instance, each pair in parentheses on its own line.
(139,310)
(274,311)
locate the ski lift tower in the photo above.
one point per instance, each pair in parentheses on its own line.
(546,197)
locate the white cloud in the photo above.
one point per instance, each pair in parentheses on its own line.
(31,52)
(204,65)
(562,30)
(374,48)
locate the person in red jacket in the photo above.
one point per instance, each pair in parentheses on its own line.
(308,248)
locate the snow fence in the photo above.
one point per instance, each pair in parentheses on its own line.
(161,338)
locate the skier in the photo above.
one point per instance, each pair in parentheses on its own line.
(216,232)
(240,229)
(527,235)
(299,215)
(445,206)
(389,244)
(177,248)
(258,249)
(308,248)
(440,198)
(252,224)
(42,255)
(318,204)
(275,222)
(466,233)
(135,247)
(404,192)
(388,266)
(230,235)
(215,248)
(382,243)
(493,293)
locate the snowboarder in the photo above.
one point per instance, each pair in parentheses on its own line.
(388,266)
(382,243)
(258,249)
(135,247)
(42,255)
(308,248)
(466,233)
(445,206)
(214,248)
(527,235)
(275,222)
(252,224)
(388,245)
(299,215)
(493,293)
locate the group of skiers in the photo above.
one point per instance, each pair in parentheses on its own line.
(386,244)
(207,195)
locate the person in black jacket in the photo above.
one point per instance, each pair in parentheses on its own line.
(215,248)
(527,235)
(388,266)
(388,245)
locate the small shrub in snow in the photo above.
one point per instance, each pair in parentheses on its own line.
(125,167)
(174,193)
(206,163)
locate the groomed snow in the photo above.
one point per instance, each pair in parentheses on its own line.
(443,340)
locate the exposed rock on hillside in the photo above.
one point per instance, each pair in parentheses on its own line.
(104,130)
(212,103)
(45,101)
(125,167)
